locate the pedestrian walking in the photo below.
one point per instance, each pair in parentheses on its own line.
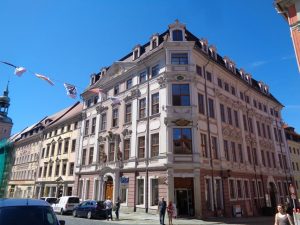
(108,207)
(282,218)
(162,206)
(117,208)
(170,210)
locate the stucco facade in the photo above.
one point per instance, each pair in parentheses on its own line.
(174,119)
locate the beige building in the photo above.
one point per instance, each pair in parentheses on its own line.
(26,147)
(55,173)
(175,119)
(293,140)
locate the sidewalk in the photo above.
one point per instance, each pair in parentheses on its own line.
(146,218)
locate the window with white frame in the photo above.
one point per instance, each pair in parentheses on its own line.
(155,103)
(208,193)
(129,83)
(103,121)
(177,35)
(155,71)
(179,58)
(239,189)
(115,117)
(123,194)
(140,191)
(219,193)
(232,192)
(154,192)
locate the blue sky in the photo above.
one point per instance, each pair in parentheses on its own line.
(69,40)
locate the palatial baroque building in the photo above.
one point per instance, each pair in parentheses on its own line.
(175,119)
(55,173)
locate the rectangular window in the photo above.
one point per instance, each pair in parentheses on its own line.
(201,106)
(222,111)
(142,108)
(264,130)
(59,148)
(250,125)
(208,194)
(236,118)
(83,159)
(226,86)
(246,188)
(211,108)
(103,121)
(140,192)
(245,123)
(214,143)
(52,149)
(115,119)
(199,70)
(143,77)
(258,128)
(43,152)
(45,171)
(129,83)
(154,145)
(40,171)
(154,192)
(64,168)
(57,167)
(182,140)
(73,145)
(233,92)
(128,113)
(116,89)
(242,95)
(179,58)
(66,146)
(102,156)
(111,153)
(155,70)
(232,189)
(123,194)
(86,127)
(273,158)
(204,148)
(91,155)
(155,103)
(263,158)
(93,125)
(177,35)
(180,94)
(229,115)
(141,147)
(126,149)
(233,152)
(239,189)
(226,151)
(209,76)
(268,159)
(255,156)
(71,169)
(249,155)
(240,149)
(50,171)
(280,135)
(220,84)
(275,134)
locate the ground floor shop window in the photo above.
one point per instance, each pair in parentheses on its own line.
(154,192)
(96,189)
(208,195)
(140,192)
(219,194)
(80,187)
(123,194)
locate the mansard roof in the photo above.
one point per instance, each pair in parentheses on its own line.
(163,37)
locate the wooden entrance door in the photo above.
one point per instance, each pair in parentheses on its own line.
(109,190)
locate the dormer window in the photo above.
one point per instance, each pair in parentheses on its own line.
(213,52)
(177,31)
(154,41)
(232,66)
(204,45)
(242,73)
(116,89)
(248,78)
(177,35)
(136,52)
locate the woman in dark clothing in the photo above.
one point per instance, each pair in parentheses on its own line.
(117,207)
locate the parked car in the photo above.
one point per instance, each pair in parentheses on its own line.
(65,204)
(27,212)
(50,200)
(90,209)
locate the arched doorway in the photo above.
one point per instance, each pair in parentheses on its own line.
(273,195)
(109,187)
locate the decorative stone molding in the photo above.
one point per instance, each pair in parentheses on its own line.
(231,132)
(101,139)
(101,109)
(250,140)
(126,132)
(182,122)
(135,93)
(83,115)
(162,81)
(113,137)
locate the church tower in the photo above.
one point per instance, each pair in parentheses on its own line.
(5,122)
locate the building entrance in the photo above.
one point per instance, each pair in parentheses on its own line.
(109,187)
(184,196)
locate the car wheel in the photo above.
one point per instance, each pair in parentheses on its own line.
(74,213)
(62,212)
(89,215)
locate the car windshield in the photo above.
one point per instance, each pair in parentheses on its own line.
(51,200)
(27,215)
(73,200)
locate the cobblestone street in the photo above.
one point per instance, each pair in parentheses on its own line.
(142,218)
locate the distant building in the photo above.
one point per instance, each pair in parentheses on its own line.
(5,147)
(290,10)
(293,140)
(175,119)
